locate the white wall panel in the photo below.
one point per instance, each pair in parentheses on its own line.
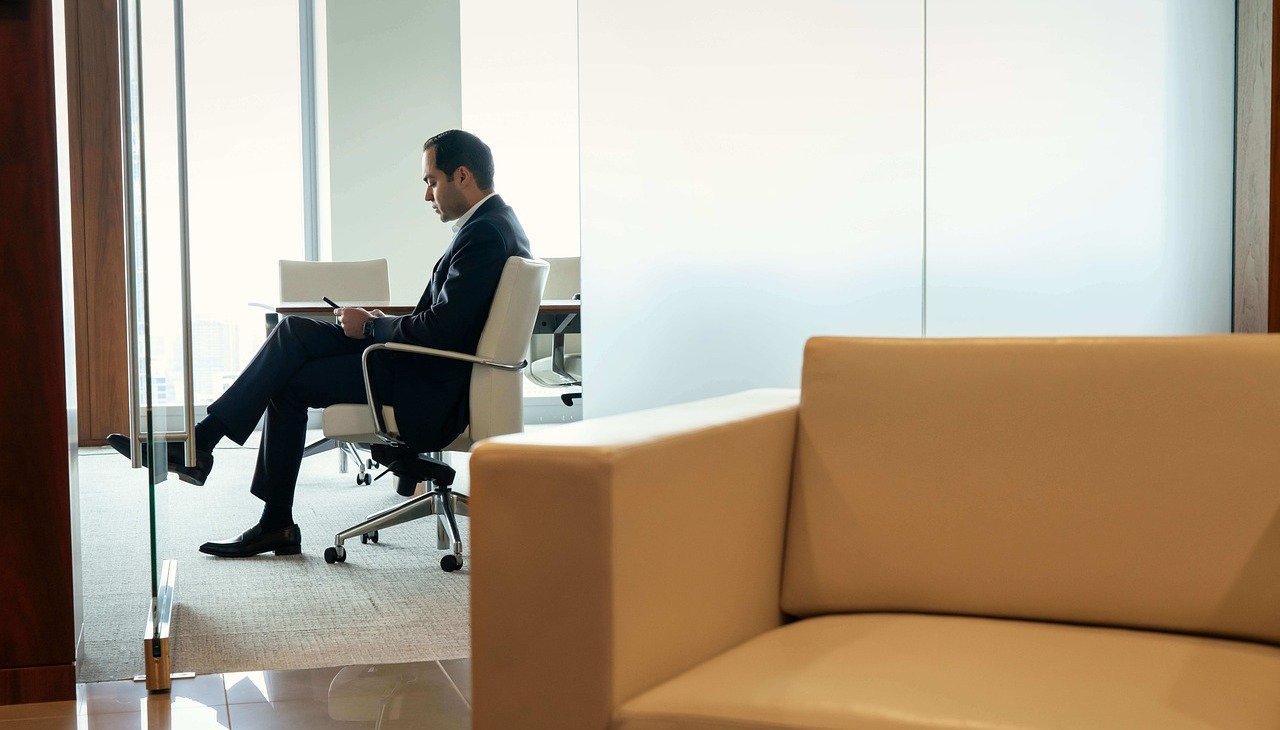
(520,95)
(1079,175)
(752,175)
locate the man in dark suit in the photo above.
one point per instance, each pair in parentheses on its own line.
(306,363)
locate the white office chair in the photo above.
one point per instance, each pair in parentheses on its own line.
(496,404)
(345,282)
(564,281)
(341,281)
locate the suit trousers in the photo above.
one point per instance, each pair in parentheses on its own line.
(304,363)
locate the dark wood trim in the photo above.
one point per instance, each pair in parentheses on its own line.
(75,151)
(93,90)
(1273,214)
(36,578)
(38,684)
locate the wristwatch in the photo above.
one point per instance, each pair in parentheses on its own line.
(368,328)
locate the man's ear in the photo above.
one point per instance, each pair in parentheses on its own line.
(464,175)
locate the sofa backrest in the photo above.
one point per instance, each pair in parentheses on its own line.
(1111,481)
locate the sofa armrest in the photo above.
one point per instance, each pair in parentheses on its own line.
(612,554)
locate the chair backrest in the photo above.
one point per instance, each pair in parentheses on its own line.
(497,396)
(564,279)
(341,281)
(1111,481)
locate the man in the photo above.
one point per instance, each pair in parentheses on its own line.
(310,364)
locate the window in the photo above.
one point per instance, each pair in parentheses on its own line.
(244,176)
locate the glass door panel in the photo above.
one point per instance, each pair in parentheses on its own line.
(246,144)
(157,283)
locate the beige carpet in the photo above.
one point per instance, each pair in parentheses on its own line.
(389,602)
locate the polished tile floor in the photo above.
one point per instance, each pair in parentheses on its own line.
(427,695)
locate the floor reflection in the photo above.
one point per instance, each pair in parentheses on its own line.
(385,696)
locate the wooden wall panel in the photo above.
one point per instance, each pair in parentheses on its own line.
(1273,264)
(1253,165)
(37,684)
(37,634)
(97,219)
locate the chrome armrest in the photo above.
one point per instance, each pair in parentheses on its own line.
(379,427)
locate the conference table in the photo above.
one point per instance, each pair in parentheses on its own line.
(556,317)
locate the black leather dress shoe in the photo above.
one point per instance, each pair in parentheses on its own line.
(176,458)
(255,541)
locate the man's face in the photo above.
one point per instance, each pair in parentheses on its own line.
(442,193)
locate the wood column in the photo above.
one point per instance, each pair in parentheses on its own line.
(97,218)
(1253,165)
(37,634)
(1273,233)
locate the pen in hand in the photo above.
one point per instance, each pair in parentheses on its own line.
(331,303)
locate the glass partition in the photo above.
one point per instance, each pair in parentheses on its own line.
(751,175)
(158,289)
(190,202)
(1080,161)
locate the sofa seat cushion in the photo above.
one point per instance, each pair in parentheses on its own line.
(899,671)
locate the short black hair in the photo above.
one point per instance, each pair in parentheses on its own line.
(456,148)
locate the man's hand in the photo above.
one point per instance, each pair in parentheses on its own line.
(352,320)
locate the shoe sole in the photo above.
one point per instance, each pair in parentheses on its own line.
(186,478)
(287,550)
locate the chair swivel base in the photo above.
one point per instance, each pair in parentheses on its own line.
(441,501)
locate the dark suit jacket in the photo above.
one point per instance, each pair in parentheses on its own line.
(428,393)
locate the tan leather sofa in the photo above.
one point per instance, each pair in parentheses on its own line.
(995,534)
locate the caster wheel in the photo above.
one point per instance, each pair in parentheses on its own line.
(369,537)
(365,479)
(370,464)
(335,555)
(450,563)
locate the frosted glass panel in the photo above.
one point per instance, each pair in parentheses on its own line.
(752,175)
(1079,175)
(520,95)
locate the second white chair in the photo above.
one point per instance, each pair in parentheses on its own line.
(364,283)
(556,360)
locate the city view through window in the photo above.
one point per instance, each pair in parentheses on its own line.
(244,179)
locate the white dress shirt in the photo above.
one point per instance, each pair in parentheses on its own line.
(467,216)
